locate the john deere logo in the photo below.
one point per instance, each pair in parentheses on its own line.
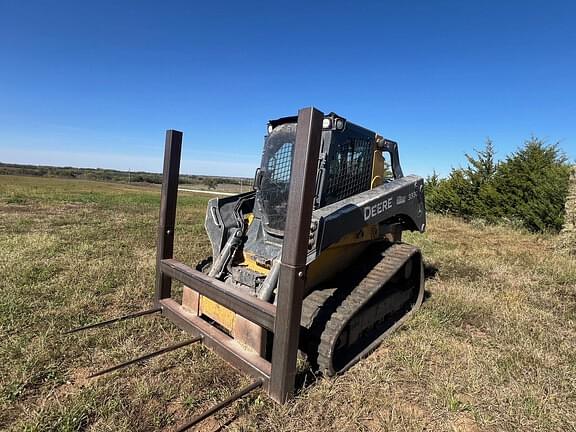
(376,209)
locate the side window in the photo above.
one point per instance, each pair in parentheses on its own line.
(350,168)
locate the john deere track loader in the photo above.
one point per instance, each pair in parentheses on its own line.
(362,282)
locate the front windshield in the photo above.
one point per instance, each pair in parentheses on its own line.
(276,167)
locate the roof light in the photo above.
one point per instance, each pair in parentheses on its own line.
(339,123)
(270,129)
(326,123)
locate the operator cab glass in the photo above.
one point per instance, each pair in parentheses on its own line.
(275,172)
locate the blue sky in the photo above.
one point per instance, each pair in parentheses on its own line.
(95,84)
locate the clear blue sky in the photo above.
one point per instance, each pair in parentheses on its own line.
(96,83)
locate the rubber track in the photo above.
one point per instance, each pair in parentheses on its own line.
(349,301)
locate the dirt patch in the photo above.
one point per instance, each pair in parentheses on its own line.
(465,423)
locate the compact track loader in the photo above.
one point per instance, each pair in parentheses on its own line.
(310,261)
(362,282)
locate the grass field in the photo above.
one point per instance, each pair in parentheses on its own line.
(492,348)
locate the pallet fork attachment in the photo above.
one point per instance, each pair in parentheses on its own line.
(276,377)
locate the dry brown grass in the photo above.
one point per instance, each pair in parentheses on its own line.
(493,347)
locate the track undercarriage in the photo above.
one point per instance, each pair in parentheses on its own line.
(352,313)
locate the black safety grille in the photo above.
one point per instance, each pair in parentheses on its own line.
(275,186)
(280,164)
(349,169)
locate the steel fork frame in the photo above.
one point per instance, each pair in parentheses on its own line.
(278,376)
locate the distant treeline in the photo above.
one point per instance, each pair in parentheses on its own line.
(527,189)
(110,175)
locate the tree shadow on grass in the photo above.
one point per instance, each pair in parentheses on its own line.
(430,272)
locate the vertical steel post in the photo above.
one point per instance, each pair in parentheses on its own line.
(292,277)
(168,198)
